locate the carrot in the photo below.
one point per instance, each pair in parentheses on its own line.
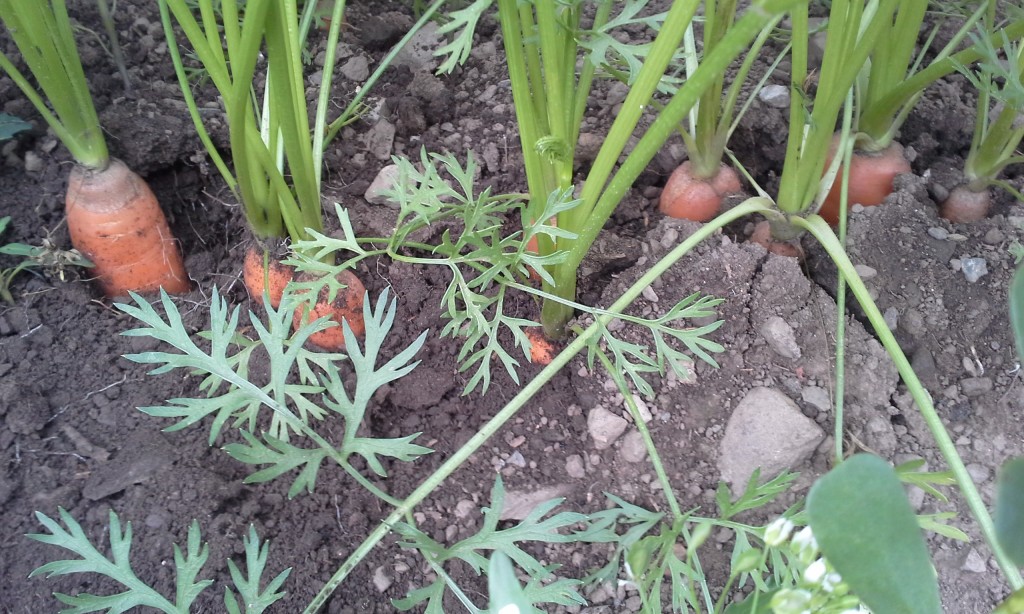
(542,349)
(762,235)
(871,176)
(347,305)
(115,221)
(257,277)
(689,197)
(964,205)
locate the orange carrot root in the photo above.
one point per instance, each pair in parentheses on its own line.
(347,305)
(116,222)
(762,235)
(689,197)
(257,278)
(542,349)
(871,177)
(964,205)
(533,247)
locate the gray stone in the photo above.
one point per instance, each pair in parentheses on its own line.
(974,562)
(384,181)
(381,580)
(519,503)
(605,427)
(780,337)
(817,397)
(380,139)
(33,163)
(769,431)
(879,436)
(356,69)
(975,386)
(632,448)
(775,96)
(574,466)
(418,54)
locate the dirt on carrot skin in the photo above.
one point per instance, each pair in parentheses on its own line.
(71,436)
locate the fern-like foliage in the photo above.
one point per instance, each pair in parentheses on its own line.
(188,566)
(537,526)
(301,390)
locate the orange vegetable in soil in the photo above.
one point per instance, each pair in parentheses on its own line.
(542,349)
(533,247)
(257,278)
(347,305)
(871,176)
(964,205)
(762,235)
(116,222)
(692,198)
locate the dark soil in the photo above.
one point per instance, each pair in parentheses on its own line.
(71,436)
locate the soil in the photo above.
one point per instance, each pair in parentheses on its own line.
(71,436)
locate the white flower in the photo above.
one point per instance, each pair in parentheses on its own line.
(791,601)
(815,572)
(776,533)
(804,546)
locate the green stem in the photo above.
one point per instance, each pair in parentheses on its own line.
(525,394)
(823,233)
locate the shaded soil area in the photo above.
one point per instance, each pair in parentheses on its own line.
(71,436)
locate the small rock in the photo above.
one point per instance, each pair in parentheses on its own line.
(979,473)
(33,163)
(817,396)
(574,466)
(383,182)
(605,427)
(865,271)
(780,337)
(879,436)
(973,562)
(464,508)
(939,233)
(973,268)
(775,96)
(356,69)
(519,503)
(517,459)
(891,317)
(994,236)
(381,581)
(632,448)
(380,139)
(642,409)
(975,386)
(769,431)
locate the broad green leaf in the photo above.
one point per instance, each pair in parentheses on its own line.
(1017,310)
(11,125)
(866,528)
(1010,509)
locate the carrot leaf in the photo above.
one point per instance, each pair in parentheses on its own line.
(188,565)
(301,390)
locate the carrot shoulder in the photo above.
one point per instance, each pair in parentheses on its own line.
(116,222)
(689,197)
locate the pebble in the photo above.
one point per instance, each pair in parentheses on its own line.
(380,139)
(975,386)
(979,473)
(632,449)
(891,317)
(642,409)
(605,427)
(775,96)
(464,508)
(939,233)
(33,163)
(574,466)
(381,581)
(817,396)
(780,337)
(866,272)
(974,563)
(384,181)
(769,431)
(994,237)
(974,268)
(356,69)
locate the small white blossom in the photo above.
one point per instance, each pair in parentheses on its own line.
(804,546)
(776,533)
(792,601)
(815,572)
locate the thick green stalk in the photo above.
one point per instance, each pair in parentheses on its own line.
(528,391)
(912,86)
(823,233)
(744,30)
(43,34)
